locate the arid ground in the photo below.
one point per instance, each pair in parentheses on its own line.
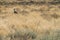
(30,22)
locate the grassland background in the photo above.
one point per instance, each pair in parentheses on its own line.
(30,0)
(29,22)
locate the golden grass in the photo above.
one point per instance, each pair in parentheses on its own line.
(30,22)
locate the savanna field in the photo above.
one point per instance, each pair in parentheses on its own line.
(29,20)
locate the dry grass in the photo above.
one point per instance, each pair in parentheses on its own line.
(29,22)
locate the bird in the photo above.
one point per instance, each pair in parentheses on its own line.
(15,11)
